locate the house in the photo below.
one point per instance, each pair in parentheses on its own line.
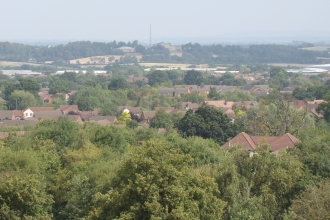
(256,90)
(18,114)
(7,115)
(133,79)
(245,105)
(147,115)
(127,49)
(176,91)
(50,115)
(189,105)
(218,104)
(75,118)
(299,104)
(45,97)
(181,91)
(69,109)
(103,120)
(29,112)
(220,88)
(314,104)
(134,111)
(166,91)
(289,89)
(250,143)
(68,95)
(18,123)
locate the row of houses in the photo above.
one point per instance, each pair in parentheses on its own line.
(31,116)
(178,90)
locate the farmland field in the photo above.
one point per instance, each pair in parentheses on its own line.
(319,48)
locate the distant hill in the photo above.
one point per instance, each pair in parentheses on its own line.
(187,53)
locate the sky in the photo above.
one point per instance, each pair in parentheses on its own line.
(171,20)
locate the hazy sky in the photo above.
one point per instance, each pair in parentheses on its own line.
(109,20)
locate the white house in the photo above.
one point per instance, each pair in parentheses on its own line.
(28,113)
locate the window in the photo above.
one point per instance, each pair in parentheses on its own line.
(31,114)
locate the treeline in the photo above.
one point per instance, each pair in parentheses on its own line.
(192,53)
(63,170)
(20,52)
(266,53)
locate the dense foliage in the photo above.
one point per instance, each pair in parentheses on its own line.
(192,53)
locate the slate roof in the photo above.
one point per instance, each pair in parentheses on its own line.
(11,123)
(134,110)
(6,115)
(147,115)
(110,119)
(39,109)
(69,107)
(165,91)
(52,115)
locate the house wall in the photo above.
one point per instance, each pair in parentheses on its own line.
(28,113)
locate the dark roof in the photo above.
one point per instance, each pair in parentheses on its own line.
(69,107)
(6,114)
(134,110)
(165,91)
(149,114)
(111,119)
(11,123)
(53,115)
(39,109)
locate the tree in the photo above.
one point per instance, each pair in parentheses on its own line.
(108,109)
(258,187)
(275,119)
(22,98)
(312,204)
(132,124)
(118,83)
(125,116)
(156,181)
(24,197)
(30,85)
(193,77)
(157,77)
(161,119)
(207,122)
(325,107)
(61,86)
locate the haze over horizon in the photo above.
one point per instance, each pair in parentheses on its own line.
(210,21)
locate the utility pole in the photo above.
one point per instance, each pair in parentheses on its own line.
(16,103)
(150,40)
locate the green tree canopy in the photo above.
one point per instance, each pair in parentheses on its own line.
(22,98)
(156,181)
(193,77)
(258,187)
(158,77)
(207,122)
(275,119)
(312,204)
(118,83)
(161,119)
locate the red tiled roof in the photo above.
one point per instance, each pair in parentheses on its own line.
(241,139)
(251,142)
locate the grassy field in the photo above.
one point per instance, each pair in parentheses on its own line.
(7,63)
(289,64)
(320,48)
